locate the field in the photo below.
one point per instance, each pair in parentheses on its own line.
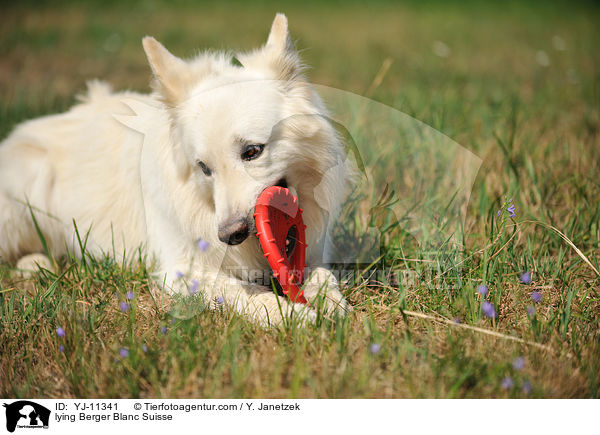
(516,84)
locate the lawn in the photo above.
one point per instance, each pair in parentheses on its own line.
(518,85)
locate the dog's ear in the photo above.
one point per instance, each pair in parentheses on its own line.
(282,55)
(279,37)
(170,72)
(277,58)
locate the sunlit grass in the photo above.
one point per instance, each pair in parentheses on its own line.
(535,126)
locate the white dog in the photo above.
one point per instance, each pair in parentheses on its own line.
(217,131)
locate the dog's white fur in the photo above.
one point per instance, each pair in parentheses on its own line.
(127,190)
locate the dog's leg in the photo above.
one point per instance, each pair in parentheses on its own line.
(258,302)
(30,264)
(322,289)
(18,237)
(268,308)
(27,181)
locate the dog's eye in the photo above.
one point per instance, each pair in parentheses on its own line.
(204,168)
(252,151)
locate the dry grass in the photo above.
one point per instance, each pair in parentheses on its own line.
(535,127)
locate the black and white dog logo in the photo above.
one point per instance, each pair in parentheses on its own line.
(26,414)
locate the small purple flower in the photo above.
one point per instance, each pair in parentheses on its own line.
(130,295)
(499,213)
(531,310)
(483,290)
(488,309)
(456,320)
(527,387)
(374,349)
(61,348)
(60,332)
(526,277)
(163,329)
(220,300)
(179,274)
(519,363)
(124,352)
(507,383)
(124,306)
(144,348)
(202,245)
(194,287)
(511,210)
(536,297)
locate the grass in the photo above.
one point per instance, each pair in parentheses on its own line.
(534,124)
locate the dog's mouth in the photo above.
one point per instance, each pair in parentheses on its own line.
(282,182)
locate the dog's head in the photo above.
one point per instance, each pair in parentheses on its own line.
(241,124)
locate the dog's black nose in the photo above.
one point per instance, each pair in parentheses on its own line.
(234,232)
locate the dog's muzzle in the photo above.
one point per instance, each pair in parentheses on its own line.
(234,232)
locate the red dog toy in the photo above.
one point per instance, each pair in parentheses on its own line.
(280,230)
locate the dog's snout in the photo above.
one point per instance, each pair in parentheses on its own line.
(234,231)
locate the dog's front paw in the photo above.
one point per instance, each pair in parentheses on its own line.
(272,310)
(322,291)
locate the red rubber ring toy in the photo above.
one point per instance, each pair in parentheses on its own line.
(281,233)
